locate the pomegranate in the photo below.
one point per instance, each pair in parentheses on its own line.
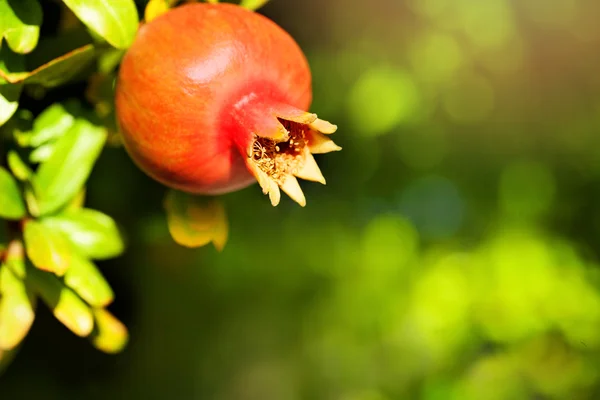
(212,97)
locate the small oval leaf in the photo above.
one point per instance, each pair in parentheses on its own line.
(87,281)
(63,175)
(66,306)
(16,309)
(9,94)
(155,8)
(114,20)
(53,122)
(92,233)
(195,221)
(20,22)
(110,335)
(18,167)
(253,4)
(48,250)
(11,201)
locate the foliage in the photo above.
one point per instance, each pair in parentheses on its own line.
(51,240)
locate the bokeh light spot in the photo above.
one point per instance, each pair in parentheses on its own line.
(436,57)
(381,99)
(388,243)
(487,23)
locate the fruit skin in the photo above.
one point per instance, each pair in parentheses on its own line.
(187,81)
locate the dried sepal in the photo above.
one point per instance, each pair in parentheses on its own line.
(276,163)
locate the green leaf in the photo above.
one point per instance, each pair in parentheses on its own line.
(92,233)
(63,175)
(87,281)
(66,306)
(20,22)
(9,94)
(31,200)
(110,335)
(42,153)
(9,101)
(114,20)
(76,202)
(53,122)
(48,250)
(16,309)
(11,201)
(195,221)
(109,59)
(55,72)
(253,4)
(18,167)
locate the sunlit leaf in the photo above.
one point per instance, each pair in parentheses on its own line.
(92,233)
(110,335)
(9,101)
(11,201)
(76,202)
(195,221)
(48,250)
(18,167)
(63,175)
(66,306)
(16,309)
(53,122)
(155,8)
(31,200)
(20,22)
(109,59)
(114,20)
(87,281)
(253,4)
(9,94)
(55,72)
(42,153)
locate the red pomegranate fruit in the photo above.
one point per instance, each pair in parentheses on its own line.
(212,97)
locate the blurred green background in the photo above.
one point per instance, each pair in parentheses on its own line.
(452,255)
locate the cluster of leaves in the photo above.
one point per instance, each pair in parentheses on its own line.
(49,240)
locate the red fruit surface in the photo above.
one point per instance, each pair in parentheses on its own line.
(188,80)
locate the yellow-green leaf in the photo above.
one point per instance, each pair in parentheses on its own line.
(155,8)
(114,20)
(110,335)
(92,233)
(18,167)
(253,4)
(87,281)
(16,309)
(195,221)
(9,94)
(66,306)
(48,250)
(11,200)
(53,122)
(20,22)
